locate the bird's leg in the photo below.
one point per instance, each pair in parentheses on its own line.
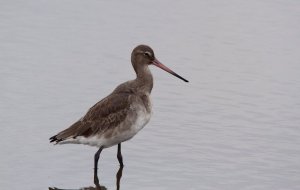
(97,155)
(118,176)
(119,155)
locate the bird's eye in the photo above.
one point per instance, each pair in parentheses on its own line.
(147,53)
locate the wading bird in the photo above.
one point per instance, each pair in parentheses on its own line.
(120,115)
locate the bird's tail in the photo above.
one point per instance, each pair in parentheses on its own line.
(70,132)
(55,139)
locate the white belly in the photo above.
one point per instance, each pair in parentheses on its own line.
(139,120)
(124,135)
(121,133)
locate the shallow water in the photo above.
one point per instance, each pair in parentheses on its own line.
(236,125)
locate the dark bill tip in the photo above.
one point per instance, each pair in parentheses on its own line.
(162,66)
(178,76)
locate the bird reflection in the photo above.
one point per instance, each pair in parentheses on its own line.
(97,184)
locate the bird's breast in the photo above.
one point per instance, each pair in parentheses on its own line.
(143,110)
(146,101)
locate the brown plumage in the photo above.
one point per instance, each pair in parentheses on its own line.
(120,115)
(97,119)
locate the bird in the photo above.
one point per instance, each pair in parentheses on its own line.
(120,115)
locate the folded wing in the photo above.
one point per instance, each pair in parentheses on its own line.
(106,114)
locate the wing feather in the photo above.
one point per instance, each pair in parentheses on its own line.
(106,114)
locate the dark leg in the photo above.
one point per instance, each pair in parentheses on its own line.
(97,155)
(119,175)
(119,155)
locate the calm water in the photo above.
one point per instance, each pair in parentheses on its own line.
(236,125)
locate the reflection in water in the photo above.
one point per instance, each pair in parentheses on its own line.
(83,188)
(97,185)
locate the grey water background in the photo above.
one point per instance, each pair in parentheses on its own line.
(236,125)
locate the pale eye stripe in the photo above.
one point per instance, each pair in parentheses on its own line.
(148,53)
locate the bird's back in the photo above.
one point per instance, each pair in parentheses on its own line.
(125,111)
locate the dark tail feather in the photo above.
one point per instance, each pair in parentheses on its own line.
(55,139)
(72,131)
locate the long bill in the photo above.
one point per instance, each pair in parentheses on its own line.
(162,66)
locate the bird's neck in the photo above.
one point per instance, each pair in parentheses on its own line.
(144,79)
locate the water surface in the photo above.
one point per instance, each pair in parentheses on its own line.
(234,126)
